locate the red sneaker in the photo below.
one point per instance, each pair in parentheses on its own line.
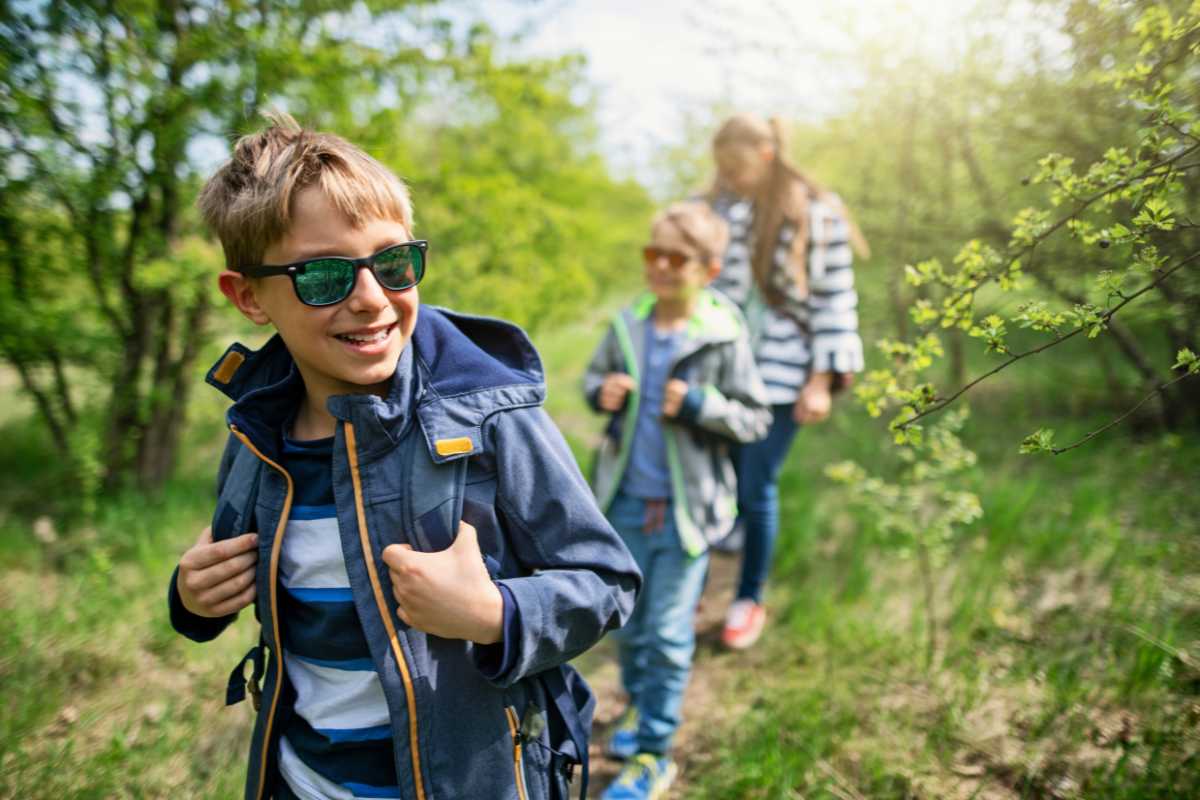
(743,624)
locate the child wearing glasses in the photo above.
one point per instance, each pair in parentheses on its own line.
(402,653)
(676,373)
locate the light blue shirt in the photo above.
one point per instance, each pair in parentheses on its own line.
(648,475)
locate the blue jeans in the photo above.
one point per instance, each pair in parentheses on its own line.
(655,647)
(757,466)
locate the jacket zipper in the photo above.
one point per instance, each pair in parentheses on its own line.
(377,588)
(518,768)
(274,574)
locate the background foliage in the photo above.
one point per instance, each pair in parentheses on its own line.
(111,116)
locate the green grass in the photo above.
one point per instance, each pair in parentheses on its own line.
(1070,629)
(1069,621)
(94,677)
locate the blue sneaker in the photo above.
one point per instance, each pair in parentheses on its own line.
(623,742)
(646,777)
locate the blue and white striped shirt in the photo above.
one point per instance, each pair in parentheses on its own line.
(337,745)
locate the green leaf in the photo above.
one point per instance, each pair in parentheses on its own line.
(1040,441)
(1186,359)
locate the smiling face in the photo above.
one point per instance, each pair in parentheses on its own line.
(350,347)
(676,284)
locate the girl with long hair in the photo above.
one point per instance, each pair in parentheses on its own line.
(788,267)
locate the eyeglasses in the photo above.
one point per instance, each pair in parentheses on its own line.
(330,279)
(676,259)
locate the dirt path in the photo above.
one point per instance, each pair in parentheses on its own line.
(712,672)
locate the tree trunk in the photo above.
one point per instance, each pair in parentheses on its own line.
(954,337)
(125,427)
(171,392)
(924,559)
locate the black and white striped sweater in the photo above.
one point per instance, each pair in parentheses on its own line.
(822,333)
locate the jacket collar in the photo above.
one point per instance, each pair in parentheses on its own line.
(456,371)
(470,367)
(716,319)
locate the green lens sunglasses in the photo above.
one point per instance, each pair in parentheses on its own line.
(330,279)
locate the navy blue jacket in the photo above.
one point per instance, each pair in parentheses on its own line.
(471,388)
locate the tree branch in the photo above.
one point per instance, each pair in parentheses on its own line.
(57,192)
(87,223)
(1181,131)
(58,430)
(1157,391)
(49,106)
(1080,208)
(62,387)
(938,406)
(96,276)
(1125,340)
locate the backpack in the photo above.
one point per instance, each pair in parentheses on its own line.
(433,514)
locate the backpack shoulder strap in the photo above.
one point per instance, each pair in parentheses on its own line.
(234,514)
(233,517)
(575,704)
(434,496)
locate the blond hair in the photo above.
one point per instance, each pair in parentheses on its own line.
(784,196)
(701,226)
(248,200)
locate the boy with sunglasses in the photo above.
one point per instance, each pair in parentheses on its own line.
(390,667)
(676,373)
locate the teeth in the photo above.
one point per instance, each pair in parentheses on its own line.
(376,337)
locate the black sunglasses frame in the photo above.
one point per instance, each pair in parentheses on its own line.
(300,267)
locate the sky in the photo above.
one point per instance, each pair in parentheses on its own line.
(655,62)
(659,69)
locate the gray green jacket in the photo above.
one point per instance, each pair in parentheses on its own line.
(725,406)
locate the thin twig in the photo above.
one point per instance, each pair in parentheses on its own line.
(1056,341)
(1181,131)
(1157,391)
(1145,175)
